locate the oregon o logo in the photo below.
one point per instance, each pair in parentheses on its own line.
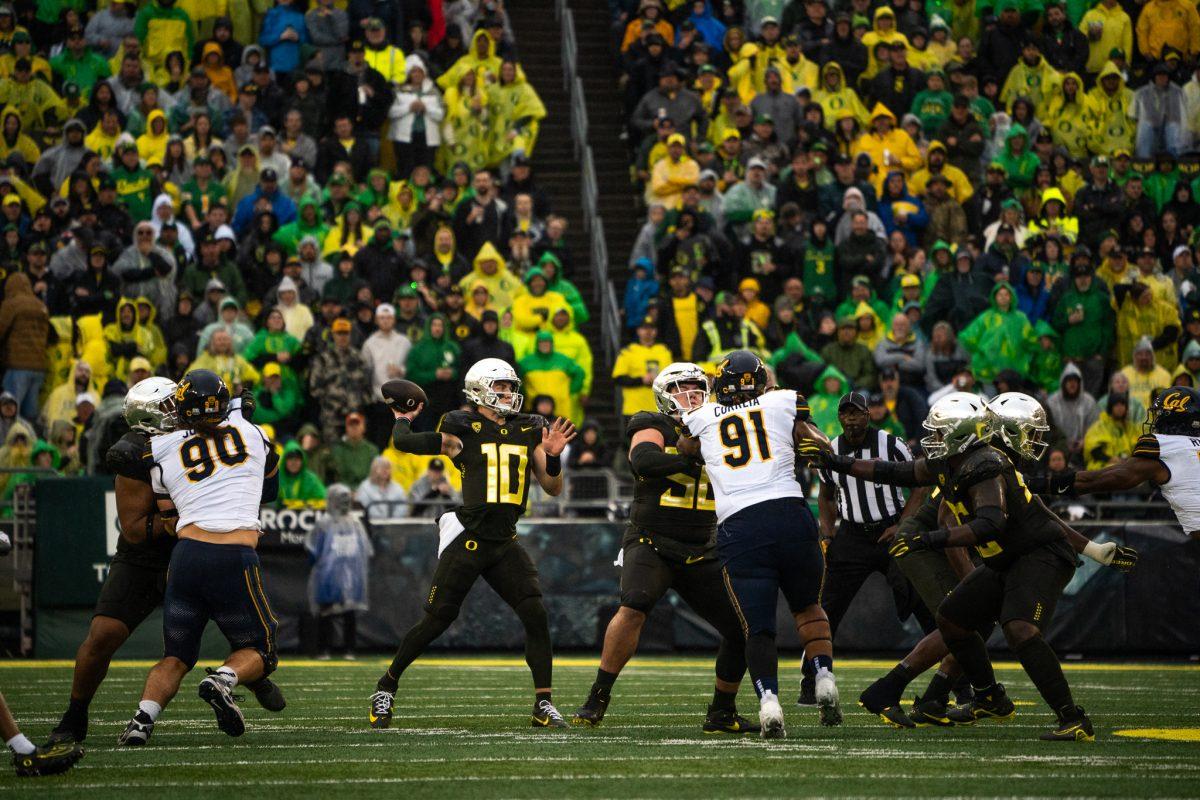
(472,544)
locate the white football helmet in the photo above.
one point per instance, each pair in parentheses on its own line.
(668,384)
(150,406)
(956,423)
(480,379)
(1020,422)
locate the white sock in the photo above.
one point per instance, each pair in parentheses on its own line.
(151,709)
(229,675)
(767,696)
(823,672)
(21,745)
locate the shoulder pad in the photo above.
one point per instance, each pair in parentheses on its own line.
(1147,447)
(981,464)
(536,420)
(650,420)
(129,457)
(455,422)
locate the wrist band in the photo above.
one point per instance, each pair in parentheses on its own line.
(553,465)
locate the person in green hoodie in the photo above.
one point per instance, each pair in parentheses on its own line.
(136,185)
(278,401)
(1160,184)
(932,104)
(299,487)
(1018,161)
(546,371)
(861,291)
(999,338)
(433,363)
(43,456)
(308,222)
(823,403)
(350,457)
(1046,364)
(852,358)
(1084,317)
(552,269)
(794,362)
(820,283)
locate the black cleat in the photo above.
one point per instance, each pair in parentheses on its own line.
(217,692)
(592,711)
(964,693)
(808,691)
(724,720)
(930,712)
(268,694)
(68,731)
(880,699)
(1075,728)
(992,704)
(381,709)
(137,732)
(49,760)
(545,715)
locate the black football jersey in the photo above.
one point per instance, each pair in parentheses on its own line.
(496,464)
(126,458)
(1030,523)
(680,507)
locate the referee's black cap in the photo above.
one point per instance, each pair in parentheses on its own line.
(855,399)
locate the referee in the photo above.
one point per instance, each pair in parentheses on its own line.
(853,546)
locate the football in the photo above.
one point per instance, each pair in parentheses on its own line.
(403,395)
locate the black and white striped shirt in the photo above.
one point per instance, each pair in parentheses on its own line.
(861,501)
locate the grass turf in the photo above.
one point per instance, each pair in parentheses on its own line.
(462,730)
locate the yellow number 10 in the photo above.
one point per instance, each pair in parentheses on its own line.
(505,479)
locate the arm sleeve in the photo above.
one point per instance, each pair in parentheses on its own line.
(650,461)
(270,490)
(422,444)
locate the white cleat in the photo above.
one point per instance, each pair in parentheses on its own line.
(827,700)
(770,717)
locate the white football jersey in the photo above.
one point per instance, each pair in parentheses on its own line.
(1181,456)
(215,482)
(748,450)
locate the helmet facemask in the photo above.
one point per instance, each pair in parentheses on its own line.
(503,401)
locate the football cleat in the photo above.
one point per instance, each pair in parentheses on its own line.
(593,709)
(724,720)
(216,691)
(992,704)
(73,731)
(827,700)
(381,709)
(1076,728)
(881,700)
(49,760)
(930,712)
(808,691)
(770,717)
(137,732)
(268,694)
(545,715)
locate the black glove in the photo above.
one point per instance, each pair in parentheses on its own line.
(160,265)
(1054,483)
(248,405)
(905,543)
(1125,560)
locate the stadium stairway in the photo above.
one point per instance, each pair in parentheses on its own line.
(538,37)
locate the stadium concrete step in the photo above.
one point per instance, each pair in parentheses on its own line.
(538,35)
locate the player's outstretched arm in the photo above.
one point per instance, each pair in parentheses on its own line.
(1127,474)
(547,457)
(1110,554)
(433,443)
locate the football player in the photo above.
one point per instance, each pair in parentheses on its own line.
(1026,558)
(137,576)
(217,469)
(766,535)
(1017,426)
(496,449)
(1165,456)
(670,543)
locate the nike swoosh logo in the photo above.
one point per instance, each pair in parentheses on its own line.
(693,559)
(526,430)
(543,722)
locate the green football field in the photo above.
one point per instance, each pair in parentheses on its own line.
(462,731)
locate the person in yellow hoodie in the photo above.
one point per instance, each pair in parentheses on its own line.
(883,31)
(1110,127)
(574,345)
(636,367)
(937,164)
(480,58)
(236,371)
(889,147)
(103,139)
(212,59)
(490,270)
(1145,376)
(515,114)
(1139,314)
(869,325)
(749,74)
(60,403)
(673,174)
(1052,217)
(794,67)
(93,347)
(14,140)
(836,97)
(1067,116)
(1031,77)
(1107,28)
(1111,437)
(126,339)
(147,318)
(152,145)
(1168,23)
(533,309)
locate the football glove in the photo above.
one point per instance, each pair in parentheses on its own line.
(1124,559)
(905,543)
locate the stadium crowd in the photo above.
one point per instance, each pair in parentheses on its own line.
(307,198)
(919,196)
